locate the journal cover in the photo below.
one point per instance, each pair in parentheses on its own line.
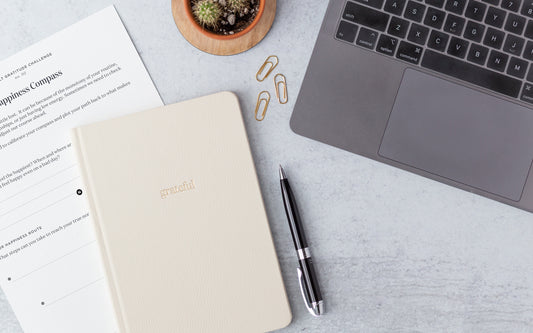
(180,220)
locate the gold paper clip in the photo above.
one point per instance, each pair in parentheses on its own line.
(281,87)
(269,64)
(260,100)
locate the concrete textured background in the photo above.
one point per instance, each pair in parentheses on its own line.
(395,252)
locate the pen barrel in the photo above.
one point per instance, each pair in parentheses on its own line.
(314,295)
(293,215)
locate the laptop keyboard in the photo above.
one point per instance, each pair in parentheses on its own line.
(488,43)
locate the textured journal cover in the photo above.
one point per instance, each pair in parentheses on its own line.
(180,220)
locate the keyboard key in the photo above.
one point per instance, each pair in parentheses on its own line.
(387,45)
(517,67)
(494,38)
(346,31)
(398,27)
(409,52)
(372,3)
(492,2)
(434,18)
(437,40)
(394,6)
(475,10)
(478,54)
(527,8)
(515,24)
(365,16)
(418,34)
(513,44)
(495,17)
(454,24)
(436,3)
(513,5)
(497,60)
(458,47)
(529,76)
(527,93)
(471,73)
(414,11)
(474,31)
(367,38)
(528,51)
(455,6)
(529,29)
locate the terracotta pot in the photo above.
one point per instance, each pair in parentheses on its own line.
(210,34)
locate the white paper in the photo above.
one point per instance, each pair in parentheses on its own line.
(50,266)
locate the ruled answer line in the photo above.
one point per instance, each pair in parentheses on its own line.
(36,212)
(72,293)
(53,261)
(39,182)
(39,196)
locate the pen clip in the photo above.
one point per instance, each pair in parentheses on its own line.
(304,294)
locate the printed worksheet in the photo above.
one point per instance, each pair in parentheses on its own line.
(50,267)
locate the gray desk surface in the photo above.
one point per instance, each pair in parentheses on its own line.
(395,252)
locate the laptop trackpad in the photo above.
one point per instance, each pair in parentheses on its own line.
(460,134)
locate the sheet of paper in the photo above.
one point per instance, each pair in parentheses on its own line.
(50,267)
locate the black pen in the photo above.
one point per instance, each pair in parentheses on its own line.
(306,272)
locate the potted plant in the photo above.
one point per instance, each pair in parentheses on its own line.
(224,19)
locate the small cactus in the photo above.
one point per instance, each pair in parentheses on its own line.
(207,12)
(238,5)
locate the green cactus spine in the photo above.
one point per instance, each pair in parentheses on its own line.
(208,13)
(238,5)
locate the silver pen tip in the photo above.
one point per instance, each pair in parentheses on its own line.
(281,173)
(318,308)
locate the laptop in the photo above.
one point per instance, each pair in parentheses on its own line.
(440,88)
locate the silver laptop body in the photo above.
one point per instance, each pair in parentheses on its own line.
(440,88)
